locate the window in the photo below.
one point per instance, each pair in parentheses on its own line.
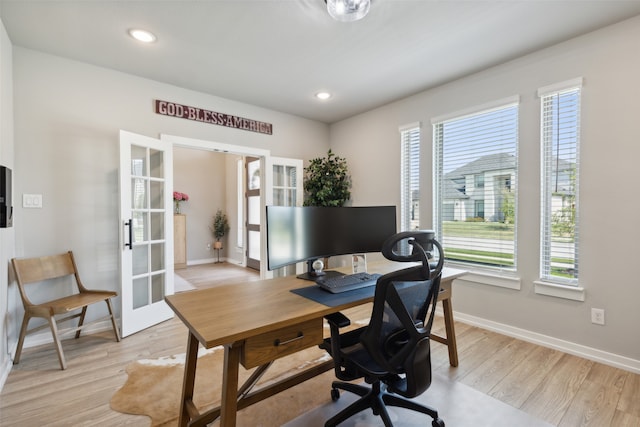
(475,176)
(410,178)
(560,138)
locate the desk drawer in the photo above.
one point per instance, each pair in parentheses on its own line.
(274,344)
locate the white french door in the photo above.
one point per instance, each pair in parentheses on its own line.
(283,182)
(146,218)
(254,220)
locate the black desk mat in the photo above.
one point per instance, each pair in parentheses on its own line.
(317,294)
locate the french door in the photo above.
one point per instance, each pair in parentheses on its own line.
(284,188)
(253,202)
(146,218)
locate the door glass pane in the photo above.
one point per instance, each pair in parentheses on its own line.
(140,292)
(156,164)
(139,227)
(291,198)
(157,195)
(254,245)
(138,161)
(138,193)
(253,169)
(278,175)
(254,210)
(278,197)
(291,176)
(157,256)
(157,287)
(140,260)
(157,225)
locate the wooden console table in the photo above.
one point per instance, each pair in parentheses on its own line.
(179,241)
(258,322)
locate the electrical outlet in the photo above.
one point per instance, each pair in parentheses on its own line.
(597,316)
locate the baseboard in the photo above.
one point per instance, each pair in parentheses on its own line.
(203,261)
(45,337)
(215,260)
(569,347)
(5,369)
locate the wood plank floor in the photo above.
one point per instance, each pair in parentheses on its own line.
(564,390)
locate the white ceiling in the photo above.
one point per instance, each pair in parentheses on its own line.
(278,53)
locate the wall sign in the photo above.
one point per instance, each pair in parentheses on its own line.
(167,108)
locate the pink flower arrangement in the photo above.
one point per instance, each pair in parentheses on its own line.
(179,197)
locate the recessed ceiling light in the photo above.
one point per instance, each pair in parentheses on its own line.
(142,35)
(323,95)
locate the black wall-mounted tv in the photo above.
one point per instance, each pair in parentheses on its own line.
(306,233)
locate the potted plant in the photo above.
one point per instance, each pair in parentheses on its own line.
(220,228)
(327,181)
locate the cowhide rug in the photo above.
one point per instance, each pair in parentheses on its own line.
(154,386)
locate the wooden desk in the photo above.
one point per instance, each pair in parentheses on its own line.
(257,322)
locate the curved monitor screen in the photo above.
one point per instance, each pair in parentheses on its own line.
(296,234)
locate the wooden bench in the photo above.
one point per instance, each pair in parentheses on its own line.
(45,270)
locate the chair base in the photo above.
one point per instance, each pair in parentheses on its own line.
(376,398)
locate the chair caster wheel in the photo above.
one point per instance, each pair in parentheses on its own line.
(335,394)
(438,422)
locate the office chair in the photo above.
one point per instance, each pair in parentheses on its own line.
(392,353)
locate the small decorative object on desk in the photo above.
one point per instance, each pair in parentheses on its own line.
(359,263)
(179,197)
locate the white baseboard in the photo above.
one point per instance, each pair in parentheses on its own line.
(569,347)
(203,261)
(5,369)
(45,337)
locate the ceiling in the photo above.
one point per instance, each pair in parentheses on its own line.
(278,53)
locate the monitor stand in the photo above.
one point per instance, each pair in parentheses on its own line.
(313,277)
(313,274)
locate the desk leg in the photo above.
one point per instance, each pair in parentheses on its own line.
(451,334)
(189,379)
(229,403)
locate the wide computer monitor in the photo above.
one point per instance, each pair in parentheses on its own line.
(307,233)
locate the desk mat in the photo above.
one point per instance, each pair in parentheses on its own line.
(321,296)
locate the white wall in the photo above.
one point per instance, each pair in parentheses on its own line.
(67,118)
(7,235)
(608,61)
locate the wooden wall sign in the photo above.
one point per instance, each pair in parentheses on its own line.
(167,108)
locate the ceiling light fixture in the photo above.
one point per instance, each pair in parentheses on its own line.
(323,95)
(142,35)
(348,10)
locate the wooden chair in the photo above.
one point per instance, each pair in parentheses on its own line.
(45,269)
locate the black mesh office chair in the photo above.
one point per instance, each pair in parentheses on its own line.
(392,353)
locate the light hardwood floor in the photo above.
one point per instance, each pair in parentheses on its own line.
(561,389)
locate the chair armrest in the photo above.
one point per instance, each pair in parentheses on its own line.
(338,319)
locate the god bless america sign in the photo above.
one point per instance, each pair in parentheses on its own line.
(199,115)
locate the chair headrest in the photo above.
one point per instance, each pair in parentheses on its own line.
(422,242)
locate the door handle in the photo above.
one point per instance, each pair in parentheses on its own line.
(130,225)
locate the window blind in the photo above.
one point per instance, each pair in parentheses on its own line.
(560,122)
(475,186)
(410,179)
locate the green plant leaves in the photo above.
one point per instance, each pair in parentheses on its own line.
(327,181)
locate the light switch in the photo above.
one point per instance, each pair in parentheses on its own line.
(32,200)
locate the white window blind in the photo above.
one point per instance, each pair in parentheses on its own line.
(410,179)
(560,136)
(475,186)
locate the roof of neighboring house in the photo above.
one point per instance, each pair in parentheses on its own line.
(452,190)
(483,164)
